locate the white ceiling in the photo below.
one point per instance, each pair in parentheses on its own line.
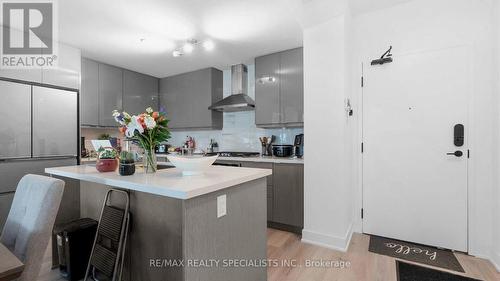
(110,31)
(360,6)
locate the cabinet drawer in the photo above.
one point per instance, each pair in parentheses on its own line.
(11,172)
(288,194)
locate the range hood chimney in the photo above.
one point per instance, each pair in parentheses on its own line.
(238,100)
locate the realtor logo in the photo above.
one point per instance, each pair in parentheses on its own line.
(28,34)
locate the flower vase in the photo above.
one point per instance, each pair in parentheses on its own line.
(150,162)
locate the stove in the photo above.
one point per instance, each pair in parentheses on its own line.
(238,154)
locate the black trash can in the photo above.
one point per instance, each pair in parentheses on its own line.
(74,244)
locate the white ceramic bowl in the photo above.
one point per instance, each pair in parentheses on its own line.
(191,165)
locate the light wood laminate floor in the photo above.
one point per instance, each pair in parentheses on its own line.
(364,265)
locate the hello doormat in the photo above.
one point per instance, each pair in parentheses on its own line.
(414,252)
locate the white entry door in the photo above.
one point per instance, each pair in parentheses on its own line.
(414,186)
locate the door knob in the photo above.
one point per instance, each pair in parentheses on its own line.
(457,153)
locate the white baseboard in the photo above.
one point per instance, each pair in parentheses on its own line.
(328,241)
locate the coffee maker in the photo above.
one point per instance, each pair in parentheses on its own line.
(299,145)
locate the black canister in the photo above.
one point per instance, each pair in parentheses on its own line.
(126,168)
(283,150)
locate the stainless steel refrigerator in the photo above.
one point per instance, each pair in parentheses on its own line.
(38,129)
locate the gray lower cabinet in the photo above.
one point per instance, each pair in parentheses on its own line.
(110,93)
(139,92)
(285,194)
(11,173)
(89,95)
(186,98)
(288,195)
(279,89)
(269,184)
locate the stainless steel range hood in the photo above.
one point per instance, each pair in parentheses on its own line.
(238,100)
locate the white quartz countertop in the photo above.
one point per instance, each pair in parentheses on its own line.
(262,159)
(168,182)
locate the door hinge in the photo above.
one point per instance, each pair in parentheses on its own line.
(362,213)
(362,81)
(362,148)
(468,153)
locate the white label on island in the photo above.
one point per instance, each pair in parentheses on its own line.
(221,206)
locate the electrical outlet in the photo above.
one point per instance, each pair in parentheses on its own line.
(221,206)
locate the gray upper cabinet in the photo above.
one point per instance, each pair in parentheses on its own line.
(279,89)
(110,93)
(15,133)
(64,73)
(139,92)
(89,95)
(31,74)
(186,98)
(68,69)
(55,122)
(106,88)
(267,92)
(292,87)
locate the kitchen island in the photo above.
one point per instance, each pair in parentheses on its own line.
(176,230)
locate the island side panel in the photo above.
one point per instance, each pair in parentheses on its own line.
(155,231)
(240,234)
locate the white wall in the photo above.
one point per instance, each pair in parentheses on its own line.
(434,24)
(328,202)
(496,218)
(332,66)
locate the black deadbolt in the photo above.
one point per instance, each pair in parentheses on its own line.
(458,135)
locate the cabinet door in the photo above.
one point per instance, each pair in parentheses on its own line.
(55,122)
(110,93)
(15,112)
(260,165)
(29,74)
(89,94)
(267,90)
(139,92)
(288,207)
(173,101)
(67,72)
(292,86)
(11,172)
(186,98)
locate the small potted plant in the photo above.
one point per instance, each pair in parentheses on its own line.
(127,165)
(106,160)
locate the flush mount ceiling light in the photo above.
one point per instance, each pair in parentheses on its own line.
(190,45)
(177,53)
(208,45)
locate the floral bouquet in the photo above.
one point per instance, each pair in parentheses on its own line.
(147,130)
